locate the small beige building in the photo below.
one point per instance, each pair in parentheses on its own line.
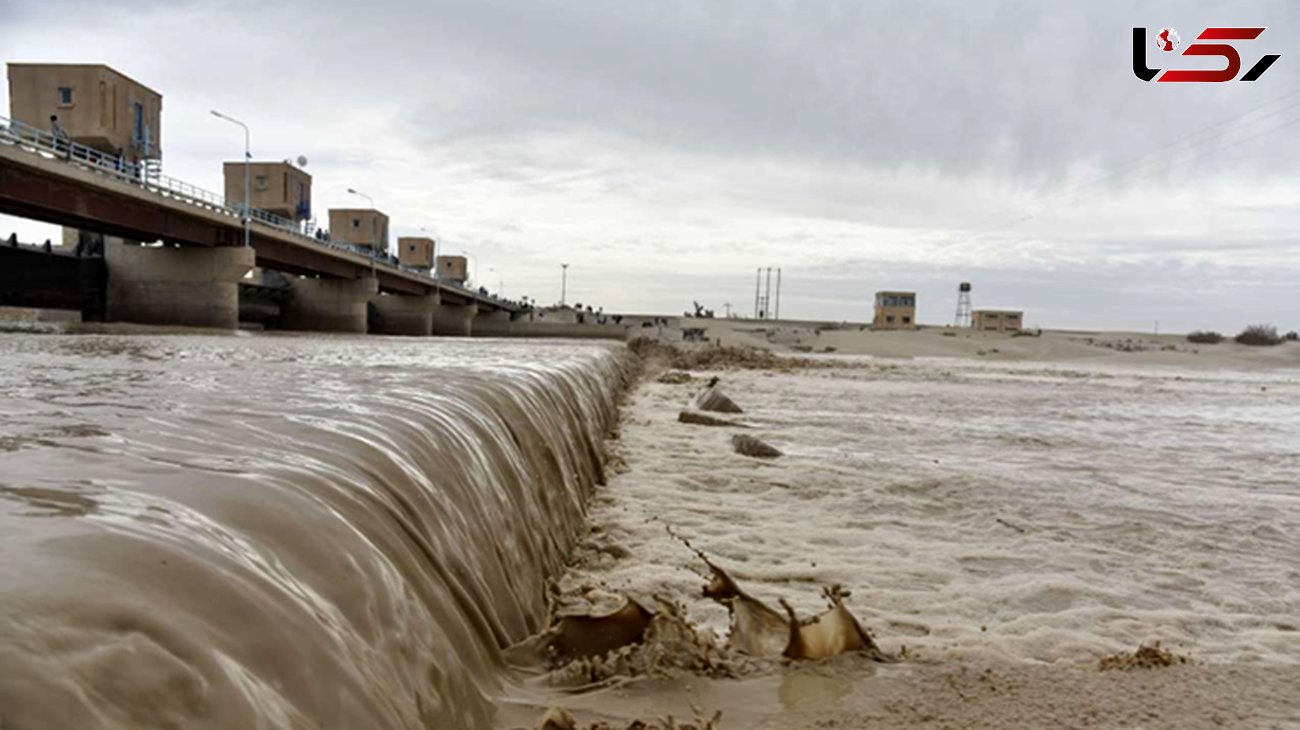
(95,105)
(275,187)
(364,227)
(454,268)
(997,320)
(895,310)
(415,251)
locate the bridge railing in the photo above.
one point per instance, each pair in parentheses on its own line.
(47,144)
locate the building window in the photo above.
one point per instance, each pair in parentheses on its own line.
(260,182)
(907,320)
(65,96)
(356,222)
(889,318)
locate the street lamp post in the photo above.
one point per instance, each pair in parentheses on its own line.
(473,265)
(564,282)
(354,191)
(248,164)
(501,282)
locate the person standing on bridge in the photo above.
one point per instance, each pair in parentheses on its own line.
(62,142)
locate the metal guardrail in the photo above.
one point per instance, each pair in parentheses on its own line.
(46,144)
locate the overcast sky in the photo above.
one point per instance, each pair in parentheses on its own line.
(668,149)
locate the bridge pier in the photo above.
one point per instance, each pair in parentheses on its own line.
(192,287)
(494,323)
(403,314)
(328,305)
(454,320)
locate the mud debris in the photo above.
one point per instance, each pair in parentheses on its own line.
(713,399)
(746,445)
(1145,657)
(703,419)
(674,377)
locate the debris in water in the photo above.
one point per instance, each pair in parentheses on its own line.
(674,377)
(713,399)
(830,633)
(704,419)
(587,635)
(747,445)
(759,630)
(557,719)
(1146,657)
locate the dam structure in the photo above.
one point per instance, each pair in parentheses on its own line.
(285,531)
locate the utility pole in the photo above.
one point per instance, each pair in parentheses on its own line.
(564,282)
(248,164)
(778,294)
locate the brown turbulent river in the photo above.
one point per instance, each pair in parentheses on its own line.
(279,531)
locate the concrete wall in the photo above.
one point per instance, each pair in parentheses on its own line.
(399,314)
(329,305)
(454,320)
(194,287)
(101,114)
(502,327)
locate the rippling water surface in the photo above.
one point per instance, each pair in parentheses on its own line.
(283,531)
(1037,513)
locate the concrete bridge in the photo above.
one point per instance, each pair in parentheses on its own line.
(194,276)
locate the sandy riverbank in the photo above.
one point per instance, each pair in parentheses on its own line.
(1121,348)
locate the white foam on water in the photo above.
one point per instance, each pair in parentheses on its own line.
(1039,513)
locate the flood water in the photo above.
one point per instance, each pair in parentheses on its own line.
(280,531)
(1023,512)
(293,531)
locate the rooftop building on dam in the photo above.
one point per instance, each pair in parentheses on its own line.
(363,227)
(91,104)
(275,187)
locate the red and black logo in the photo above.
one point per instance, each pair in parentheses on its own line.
(1167,40)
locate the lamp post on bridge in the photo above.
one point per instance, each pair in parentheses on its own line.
(374,247)
(248,163)
(501,282)
(474,261)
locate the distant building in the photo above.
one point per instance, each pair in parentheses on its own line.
(997,320)
(275,187)
(454,268)
(895,310)
(415,251)
(363,227)
(96,106)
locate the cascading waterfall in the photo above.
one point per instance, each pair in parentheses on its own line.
(284,531)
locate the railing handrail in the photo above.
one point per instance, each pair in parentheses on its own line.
(137,174)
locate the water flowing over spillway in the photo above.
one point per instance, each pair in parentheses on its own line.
(283,531)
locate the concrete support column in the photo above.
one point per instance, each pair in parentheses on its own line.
(192,287)
(402,314)
(454,320)
(492,323)
(328,305)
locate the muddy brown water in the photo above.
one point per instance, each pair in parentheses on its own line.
(280,531)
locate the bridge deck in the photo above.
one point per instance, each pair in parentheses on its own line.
(39,183)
